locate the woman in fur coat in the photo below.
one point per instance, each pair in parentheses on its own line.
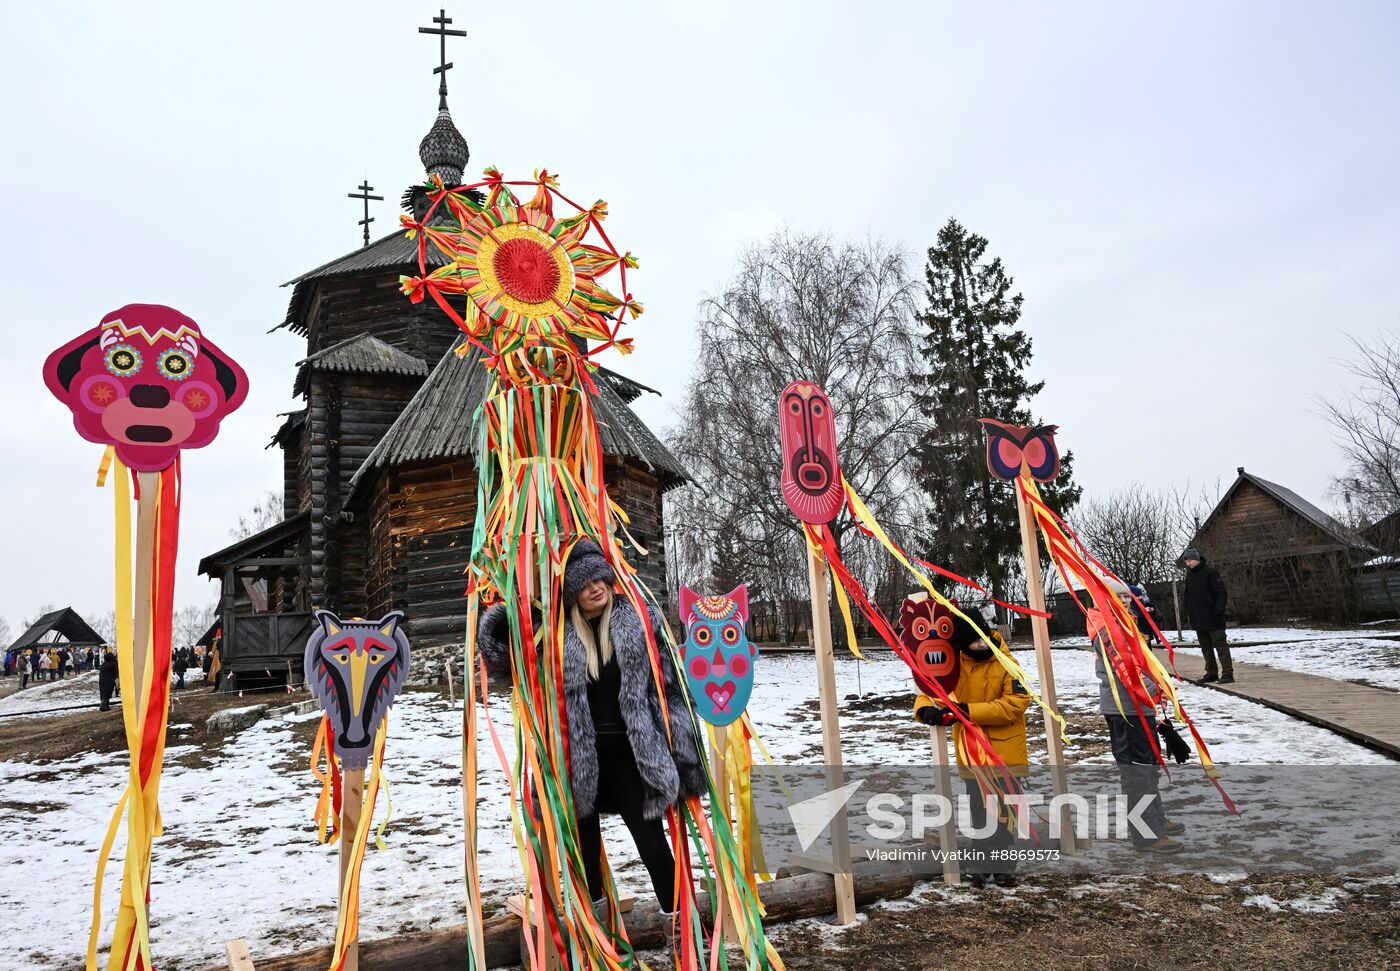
(620,759)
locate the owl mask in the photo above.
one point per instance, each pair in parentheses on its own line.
(718,656)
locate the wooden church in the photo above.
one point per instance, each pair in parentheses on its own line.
(379,471)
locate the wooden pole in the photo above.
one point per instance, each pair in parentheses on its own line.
(1176,604)
(352,799)
(723,809)
(148,485)
(1040,630)
(943,781)
(831,734)
(238,957)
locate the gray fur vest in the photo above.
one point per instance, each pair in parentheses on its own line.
(669,771)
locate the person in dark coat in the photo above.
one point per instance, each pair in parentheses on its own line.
(181,665)
(620,760)
(1205,608)
(107,680)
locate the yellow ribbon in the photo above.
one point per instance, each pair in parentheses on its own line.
(1007,662)
(347,927)
(142,814)
(1055,535)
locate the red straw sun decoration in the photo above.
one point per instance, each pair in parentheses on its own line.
(524,282)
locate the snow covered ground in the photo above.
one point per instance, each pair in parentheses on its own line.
(239,857)
(42,696)
(1357,655)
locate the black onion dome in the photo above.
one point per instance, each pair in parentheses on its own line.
(444,151)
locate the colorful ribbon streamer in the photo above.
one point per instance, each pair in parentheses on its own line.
(144,724)
(1126,653)
(540,488)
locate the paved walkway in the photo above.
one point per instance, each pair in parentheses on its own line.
(1364,714)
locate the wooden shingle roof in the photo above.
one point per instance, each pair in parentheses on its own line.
(1343,535)
(439,422)
(392,253)
(277,538)
(65,622)
(361,354)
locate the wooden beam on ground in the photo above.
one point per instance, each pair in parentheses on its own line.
(786,899)
(239,959)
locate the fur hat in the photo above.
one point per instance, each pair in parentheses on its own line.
(586,564)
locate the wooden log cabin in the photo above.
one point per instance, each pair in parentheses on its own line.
(379,471)
(1281,556)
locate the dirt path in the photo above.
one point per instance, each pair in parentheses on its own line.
(61,736)
(1075,923)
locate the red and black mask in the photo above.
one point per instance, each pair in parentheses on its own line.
(933,634)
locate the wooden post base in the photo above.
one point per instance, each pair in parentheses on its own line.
(239,959)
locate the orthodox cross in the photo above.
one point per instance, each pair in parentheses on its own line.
(444,65)
(364,194)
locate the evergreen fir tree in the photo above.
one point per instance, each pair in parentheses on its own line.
(976,360)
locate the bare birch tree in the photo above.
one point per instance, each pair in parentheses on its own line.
(1136,532)
(835,312)
(1366,421)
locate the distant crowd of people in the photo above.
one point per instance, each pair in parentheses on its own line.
(45,663)
(53,663)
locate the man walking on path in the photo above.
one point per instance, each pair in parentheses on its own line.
(107,680)
(1205,607)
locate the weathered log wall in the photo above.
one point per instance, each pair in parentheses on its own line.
(636,490)
(420,531)
(348,414)
(349,307)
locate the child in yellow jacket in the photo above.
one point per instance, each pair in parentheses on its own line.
(995,702)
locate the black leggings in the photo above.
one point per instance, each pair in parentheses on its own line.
(620,789)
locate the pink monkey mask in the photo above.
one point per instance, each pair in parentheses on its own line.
(146,381)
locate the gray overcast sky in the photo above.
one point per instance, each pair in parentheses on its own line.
(1195,199)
